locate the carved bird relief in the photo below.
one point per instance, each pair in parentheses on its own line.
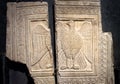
(41,47)
(71,44)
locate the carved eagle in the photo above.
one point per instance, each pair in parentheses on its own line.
(40,43)
(71,36)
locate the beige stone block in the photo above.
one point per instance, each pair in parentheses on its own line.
(29,40)
(84,51)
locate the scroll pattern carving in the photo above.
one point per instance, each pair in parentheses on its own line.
(84,80)
(46,80)
(80,0)
(84,10)
(31,10)
(103,58)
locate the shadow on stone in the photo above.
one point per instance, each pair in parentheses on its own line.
(17,73)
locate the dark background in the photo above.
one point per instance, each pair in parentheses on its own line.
(110,23)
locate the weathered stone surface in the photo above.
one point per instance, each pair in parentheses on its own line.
(83,50)
(78,2)
(29,40)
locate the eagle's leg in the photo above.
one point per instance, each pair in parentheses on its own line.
(74,66)
(50,59)
(67,64)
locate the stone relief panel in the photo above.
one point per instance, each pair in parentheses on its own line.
(82,50)
(40,44)
(29,40)
(75,43)
(83,55)
(72,44)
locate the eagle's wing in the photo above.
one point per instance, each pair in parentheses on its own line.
(85,31)
(39,44)
(62,27)
(62,30)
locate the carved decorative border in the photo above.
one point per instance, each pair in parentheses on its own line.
(78,2)
(82,10)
